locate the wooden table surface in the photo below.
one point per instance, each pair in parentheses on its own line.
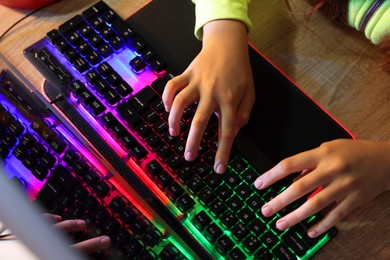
(339,68)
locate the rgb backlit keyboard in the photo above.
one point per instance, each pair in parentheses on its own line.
(108,82)
(52,166)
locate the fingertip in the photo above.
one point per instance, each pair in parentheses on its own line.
(312,233)
(190,156)
(57,218)
(105,241)
(81,223)
(219,166)
(258,183)
(172,131)
(266,211)
(282,224)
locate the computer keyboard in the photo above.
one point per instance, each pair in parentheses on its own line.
(107,81)
(52,166)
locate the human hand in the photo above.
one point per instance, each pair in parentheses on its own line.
(350,172)
(76,225)
(220,80)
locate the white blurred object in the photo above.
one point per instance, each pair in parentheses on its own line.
(26,222)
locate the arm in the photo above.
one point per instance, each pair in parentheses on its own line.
(220,80)
(350,172)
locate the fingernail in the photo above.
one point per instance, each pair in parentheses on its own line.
(57,218)
(105,240)
(266,211)
(281,224)
(312,234)
(189,156)
(172,131)
(219,167)
(81,222)
(258,183)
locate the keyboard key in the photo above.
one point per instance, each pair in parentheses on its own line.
(240,231)
(152,237)
(236,253)
(228,219)
(141,100)
(283,252)
(174,191)
(251,244)
(269,239)
(212,232)
(185,203)
(137,64)
(169,252)
(123,29)
(201,220)
(224,244)
(295,242)
(128,114)
(71,25)
(57,70)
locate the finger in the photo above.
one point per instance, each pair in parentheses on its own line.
(52,217)
(244,109)
(171,88)
(298,189)
(198,125)
(71,225)
(334,216)
(303,173)
(225,138)
(94,244)
(181,101)
(318,202)
(296,163)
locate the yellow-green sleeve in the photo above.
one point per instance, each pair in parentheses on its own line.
(377,26)
(209,10)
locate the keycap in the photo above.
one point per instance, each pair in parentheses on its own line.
(128,114)
(56,69)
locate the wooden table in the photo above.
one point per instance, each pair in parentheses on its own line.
(339,68)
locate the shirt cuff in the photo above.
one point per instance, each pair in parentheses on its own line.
(210,10)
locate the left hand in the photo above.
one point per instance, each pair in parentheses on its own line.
(76,225)
(220,79)
(350,172)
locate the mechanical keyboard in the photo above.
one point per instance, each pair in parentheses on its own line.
(107,83)
(54,168)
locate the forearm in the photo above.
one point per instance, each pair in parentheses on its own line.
(210,10)
(223,30)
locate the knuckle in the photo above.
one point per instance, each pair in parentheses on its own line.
(299,187)
(294,217)
(317,203)
(341,166)
(170,85)
(335,217)
(285,165)
(179,101)
(244,119)
(199,120)
(326,148)
(226,135)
